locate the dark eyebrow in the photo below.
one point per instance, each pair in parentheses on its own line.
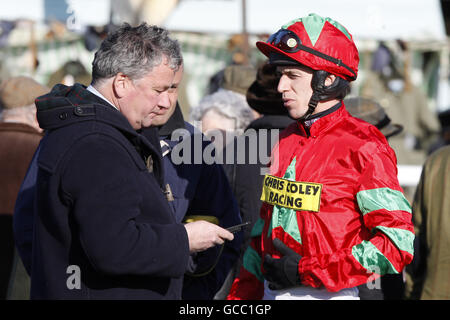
(290,73)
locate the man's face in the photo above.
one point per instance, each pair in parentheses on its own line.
(295,86)
(148,97)
(166,113)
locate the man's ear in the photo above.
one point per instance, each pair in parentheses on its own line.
(121,84)
(330,79)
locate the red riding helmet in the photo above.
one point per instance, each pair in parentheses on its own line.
(317,42)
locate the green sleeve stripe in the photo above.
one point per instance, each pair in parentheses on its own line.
(382,198)
(403,239)
(257,228)
(372,259)
(252,263)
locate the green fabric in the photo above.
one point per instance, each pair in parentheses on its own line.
(252,263)
(257,228)
(382,198)
(314,23)
(290,171)
(372,259)
(403,239)
(285,217)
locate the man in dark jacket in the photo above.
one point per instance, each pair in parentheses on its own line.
(103,228)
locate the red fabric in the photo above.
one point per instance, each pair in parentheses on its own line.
(346,155)
(246,287)
(331,42)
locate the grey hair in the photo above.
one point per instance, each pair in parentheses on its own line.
(226,103)
(134,51)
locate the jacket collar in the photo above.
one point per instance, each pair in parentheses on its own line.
(323,121)
(66,105)
(60,94)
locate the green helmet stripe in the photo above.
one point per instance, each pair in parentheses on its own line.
(314,23)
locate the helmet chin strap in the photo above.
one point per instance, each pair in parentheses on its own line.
(312,104)
(321,92)
(318,85)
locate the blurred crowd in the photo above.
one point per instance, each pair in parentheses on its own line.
(242,101)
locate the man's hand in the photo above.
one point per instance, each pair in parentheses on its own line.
(204,235)
(282,273)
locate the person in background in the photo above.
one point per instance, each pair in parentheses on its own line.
(237,78)
(428,276)
(223,110)
(389,286)
(19,137)
(254,147)
(70,73)
(221,116)
(444,137)
(372,112)
(390,85)
(103,228)
(333,214)
(199,191)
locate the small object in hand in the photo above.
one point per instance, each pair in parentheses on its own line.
(238,227)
